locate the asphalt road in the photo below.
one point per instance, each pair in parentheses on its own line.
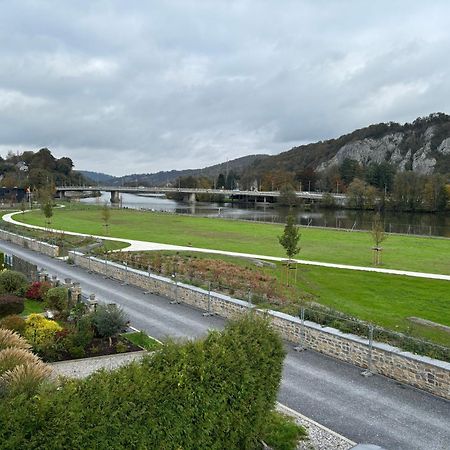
(373,410)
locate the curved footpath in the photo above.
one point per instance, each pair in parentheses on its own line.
(135,245)
(374,409)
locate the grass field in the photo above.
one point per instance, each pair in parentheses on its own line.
(382,299)
(400,252)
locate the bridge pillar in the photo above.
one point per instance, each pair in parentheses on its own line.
(115,197)
(189,198)
(61,195)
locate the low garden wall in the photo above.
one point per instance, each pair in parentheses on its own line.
(32,244)
(420,371)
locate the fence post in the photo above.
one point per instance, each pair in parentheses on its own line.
(368,372)
(106,266)
(148,291)
(301,343)
(89,263)
(125,281)
(175,301)
(249,298)
(209,312)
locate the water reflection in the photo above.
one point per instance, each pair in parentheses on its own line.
(395,222)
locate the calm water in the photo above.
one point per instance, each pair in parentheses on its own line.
(409,223)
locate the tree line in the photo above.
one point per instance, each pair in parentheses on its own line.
(36,170)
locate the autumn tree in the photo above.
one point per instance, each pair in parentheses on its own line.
(47,209)
(287,197)
(289,240)
(106,215)
(378,236)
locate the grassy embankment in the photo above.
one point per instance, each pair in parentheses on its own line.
(386,300)
(400,252)
(382,299)
(66,242)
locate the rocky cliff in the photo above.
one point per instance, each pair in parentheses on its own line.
(422,146)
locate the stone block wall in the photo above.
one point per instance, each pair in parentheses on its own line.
(419,371)
(32,244)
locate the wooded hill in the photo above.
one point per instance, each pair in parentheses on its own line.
(36,170)
(166,177)
(422,146)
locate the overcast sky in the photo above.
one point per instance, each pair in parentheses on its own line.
(142,86)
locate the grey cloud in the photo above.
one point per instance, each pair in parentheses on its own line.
(147,86)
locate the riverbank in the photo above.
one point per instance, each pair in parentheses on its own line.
(410,253)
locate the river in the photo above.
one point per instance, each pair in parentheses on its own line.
(396,222)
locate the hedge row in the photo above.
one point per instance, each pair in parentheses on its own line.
(213,393)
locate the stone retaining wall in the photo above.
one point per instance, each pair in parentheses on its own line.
(32,244)
(420,371)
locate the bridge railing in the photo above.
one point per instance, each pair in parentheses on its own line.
(234,192)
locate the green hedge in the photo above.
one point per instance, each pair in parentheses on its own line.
(213,393)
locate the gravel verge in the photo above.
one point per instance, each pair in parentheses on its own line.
(319,437)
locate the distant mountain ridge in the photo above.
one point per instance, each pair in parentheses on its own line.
(422,146)
(97,177)
(165,177)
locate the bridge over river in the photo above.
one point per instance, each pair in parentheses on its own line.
(189,194)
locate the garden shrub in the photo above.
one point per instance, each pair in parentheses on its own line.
(12,282)
(24,379)
(76,351)
(13,322)
(12,357)
(37,290)
(57,298)
(83,332)
(11,304)
(9,338)
(109,320)
(40,331)
(210,394)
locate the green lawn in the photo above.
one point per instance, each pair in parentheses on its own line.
(386,300)
(400,252)
(32,307)
(142,340)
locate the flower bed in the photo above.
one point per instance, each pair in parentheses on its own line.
(71,329)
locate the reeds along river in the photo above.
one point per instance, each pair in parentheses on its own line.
(396,222)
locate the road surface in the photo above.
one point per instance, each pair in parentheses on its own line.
(373,410)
